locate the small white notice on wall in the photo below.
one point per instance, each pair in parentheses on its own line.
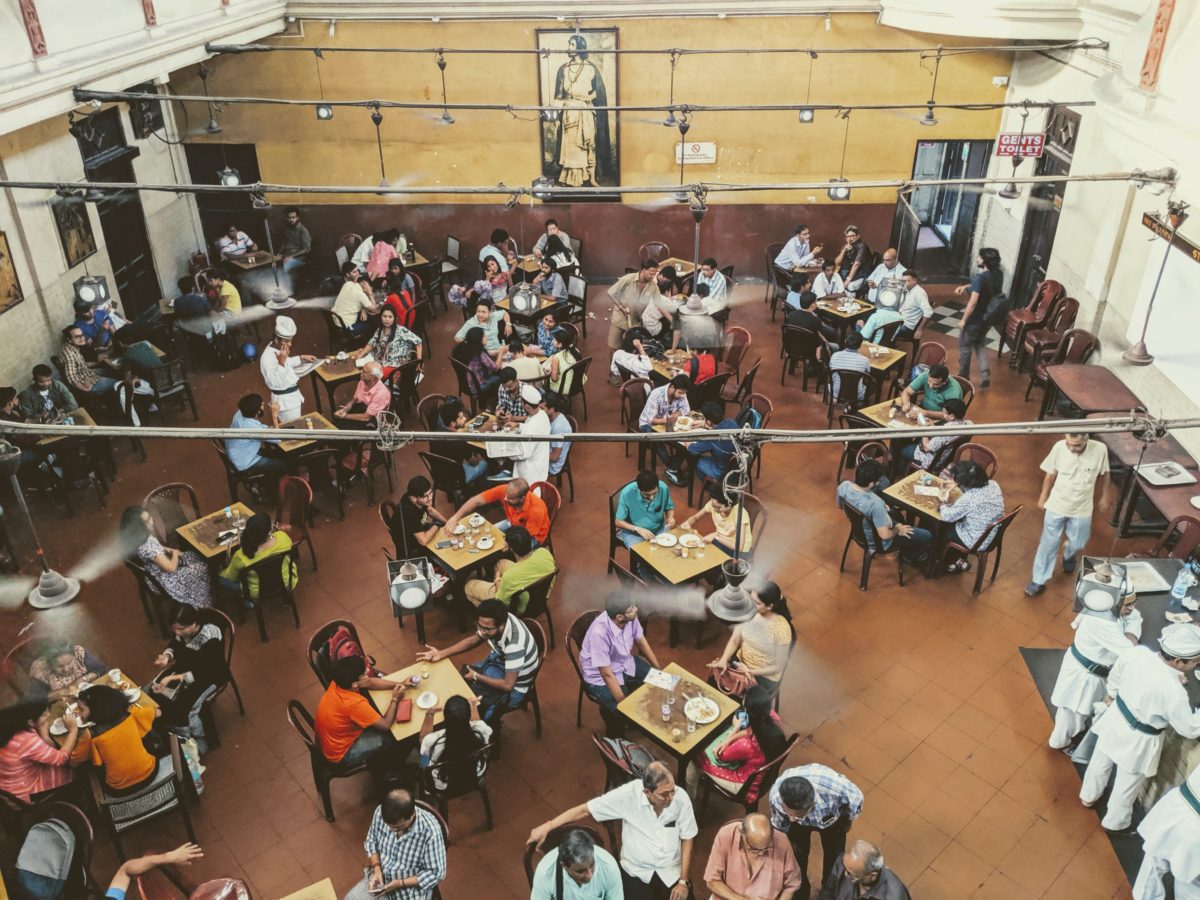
(696,152)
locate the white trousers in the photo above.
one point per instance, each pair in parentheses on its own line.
(1125,789)
(1067,724)
(1149,884)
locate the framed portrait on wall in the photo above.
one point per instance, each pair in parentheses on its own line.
(74,229)
(10,287)
(575,75)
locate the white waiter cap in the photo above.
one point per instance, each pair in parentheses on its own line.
(530,394)
(1181,640)
(285,327)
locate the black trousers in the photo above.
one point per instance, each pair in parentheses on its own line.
(635,889)
(833,845)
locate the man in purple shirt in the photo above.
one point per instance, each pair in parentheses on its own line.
(610,669)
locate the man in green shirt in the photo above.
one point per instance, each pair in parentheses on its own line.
(514,577)
(644,509)
(935,387)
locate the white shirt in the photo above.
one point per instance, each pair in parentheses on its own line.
(650,843)
(914,306)
(531,458)
(637,366)
(657,315)
(1074,486)
(363,253)
(823,286)
(282,378)
(235,247)
(1171,831)
(881,274)
(795,253)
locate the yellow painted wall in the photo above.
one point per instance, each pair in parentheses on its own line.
(489,147)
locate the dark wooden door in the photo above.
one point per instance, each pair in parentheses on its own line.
(124,225)
(1045,206)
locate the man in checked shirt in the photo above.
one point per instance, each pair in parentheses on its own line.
(815,798)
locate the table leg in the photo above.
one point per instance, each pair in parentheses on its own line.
(1122,496)
(1130,505)
(316,391)
(681,772)
(420,617)
(329,389)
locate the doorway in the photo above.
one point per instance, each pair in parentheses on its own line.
(945,214)
(220,210)
(1045,205)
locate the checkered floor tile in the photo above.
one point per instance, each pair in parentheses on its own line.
(945,321)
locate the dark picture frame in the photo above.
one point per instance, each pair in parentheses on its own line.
(74,229)
(10,285)
(579,148)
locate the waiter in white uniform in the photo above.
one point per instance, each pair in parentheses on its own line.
(1171,842)
(531,459)
(1148,698)
(1104,630)
(282,372)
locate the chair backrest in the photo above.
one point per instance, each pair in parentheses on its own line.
(853,420)
(1062,317)
(769,253)
(453,248)
(655,250)
(224,457)
(463,374)
(613,500)
(618,770)
(626,577)
(757,511)
(539,596)
(575,376)
(550,496)
(319,639)
(862,530)
(769,770)
(295,502)
(576,631)
(980,454)
(210,615)
(993,535)
(746,385)
(388,515)
(167,375)
(302,723)
(577,289)
(945,454)
(737,343)
(1077,347)
(876,450)
(930,353)
(539,640)
(78,874)
(801,343)
(1044,294)
(427,410)
(968,389)
(727,273)
(576,247)
(1180,539)
(886,335)
(848,381)
(445,473)
(461,776)
(550,843)
(763,405)
(633,399)
(170,506)
(269,574)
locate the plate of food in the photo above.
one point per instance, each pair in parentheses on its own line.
(427,700)
(666,539)
(132,694)
(701,710)
(683,423)
(690,540)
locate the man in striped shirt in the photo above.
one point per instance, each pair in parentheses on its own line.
(505,675)
(815,798)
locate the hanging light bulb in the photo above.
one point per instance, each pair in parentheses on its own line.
(928,119)
(807,113)
(324,112)
(229,176)
(1010,191)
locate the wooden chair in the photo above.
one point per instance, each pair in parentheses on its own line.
(862,532)
(272,584)
(770,252)
(1179,540)
(1038,340)
(765,775)
(428,408)
(968,390)
(765,408)
(294,513)
(169,382)
(167,792)
(575,378)
(977,453)
(317,657)
(800,345)
(255,482)
(781,284)
(447,476)
(402,385)
(992,540)
(573,642)
(930,353)
(566,469)
(323,771)
(213,616)
(734,348)
(885,336)
(171,506)
(82,463)
(79,881)
(1033,315)
(655,250)
(553,500)
(476,784)
(852,449)
(633,401)
(451,265)
(577,301)
(466,386)
(1076,346)
(737,395)
(551,842)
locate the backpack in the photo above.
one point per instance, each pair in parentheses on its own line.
(996,312)
(749,416)
(341,644)
(226,352)
(44,862)
(635,756)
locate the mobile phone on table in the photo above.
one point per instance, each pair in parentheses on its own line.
(442,545)
(478,420)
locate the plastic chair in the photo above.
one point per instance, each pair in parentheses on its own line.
(1179,540)
(885,336)
(323,771)
(566,469)
(577,300)
(745,386)
(79,881)
(553,500)
(968,390)
(294,513)
(770,252)
(781,284)
(166,793)
(930,353)
(633,395)
(573,642)
(539,602)
(575,378)
(860,528)
(1033,315)
(80,460)
(530,701)
(466,388)
(271,584)
(170,506)
(757,511)
(213,616)
(170,382)
(428,408)
(846,396)
(339,335)
(477,784)
(551,842)
(447,476)
(735,346)
(800,345)
(655,250)
(255,482)
(977,453)
(764,774)
(991,540)
(1038,340)
(156,602)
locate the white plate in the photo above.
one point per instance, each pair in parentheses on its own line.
(342,356)
(412,597)
(683,423)
(132,694)
(460,528)
(485,543)
(476,520)
(690,540)
(666,539)
(701,710)
(1196,503)
(58,727)
(427,700)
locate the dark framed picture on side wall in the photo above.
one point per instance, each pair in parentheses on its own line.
(577,72)
(74,229)
(10,287)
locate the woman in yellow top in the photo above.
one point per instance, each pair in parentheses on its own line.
(565,355)
(761,646)
(117,742)
(724,514)
(259,541)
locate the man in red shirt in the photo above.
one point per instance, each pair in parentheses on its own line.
(350,731)
(521,507)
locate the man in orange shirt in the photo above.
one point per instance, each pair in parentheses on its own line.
(521,507)
(350,731)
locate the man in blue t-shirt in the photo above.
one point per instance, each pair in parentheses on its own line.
(183,855)
(985,284)
(644,509)
(860,496)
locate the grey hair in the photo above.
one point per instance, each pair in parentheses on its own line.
(872,857)
(654,775)
(576,849)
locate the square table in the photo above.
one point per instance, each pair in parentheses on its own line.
(643,708)
(1090,388)
(462,560)
(903,493)
(321,890)
(663,370)
(675,569)
(58,707)
(879,414)
(489,419)
(329,374)
(248,262)
(682,267)
(1128,452)
(308,422)
(832,312)
(444,680)
(884,358)
(78,417)
(544,303)
(1171,501)
(202,533)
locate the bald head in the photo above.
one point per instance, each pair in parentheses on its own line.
(863,862)
(890,257)
(757,832)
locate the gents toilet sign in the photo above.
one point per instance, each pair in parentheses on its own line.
(1027,146)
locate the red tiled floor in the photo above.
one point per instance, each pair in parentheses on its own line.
(918,693)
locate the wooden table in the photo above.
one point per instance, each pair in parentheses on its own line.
(309,421)
(330,374)
(878,413)
(682,267)
(675,569)
(663,370)
(202,533)
(468,557)
(887,358)
(78,417)
(58,707)
(643,708)
(444,680)
(321,890)
(248,262)
(831,311)
(903,493)
(1090,388)
(1128,452)
(544,303)
(484,426)
(1171,502)
(698,423)
(166,307)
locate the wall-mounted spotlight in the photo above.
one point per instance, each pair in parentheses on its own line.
(807,114)
(229,176)
(324,112)
(838,189)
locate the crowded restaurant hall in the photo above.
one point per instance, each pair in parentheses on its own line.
(660,452)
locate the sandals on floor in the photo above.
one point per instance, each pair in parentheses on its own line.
(961,565)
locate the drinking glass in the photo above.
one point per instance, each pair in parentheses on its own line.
(691,726)
(671,698)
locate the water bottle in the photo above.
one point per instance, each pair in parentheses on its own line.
(1183,581)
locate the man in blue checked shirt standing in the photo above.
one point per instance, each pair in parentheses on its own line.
(406,856)
(815,798)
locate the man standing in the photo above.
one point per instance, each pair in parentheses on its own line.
(852,259)
(406,855)
(630,294)
(860,874)
(297,242)
(1148,697)
(532,564)
(1171,843)
(750,859)
(889,269)
(1073,483)
(815,798)
(282,372)
(658,827)
(46,396)
(531,459)
(606,658)
(578,870)
(355,302)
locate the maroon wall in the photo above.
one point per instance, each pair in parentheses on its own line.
(611,232)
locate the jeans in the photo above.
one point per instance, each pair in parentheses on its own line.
(655,889)
(494,702)
(601,693)
(833,845)
(629,538)
(666,452)
(915,547)
(1078,529)
(291,265)
(973,340)
(266,466)
(474,471)
(375,749)
(103,385)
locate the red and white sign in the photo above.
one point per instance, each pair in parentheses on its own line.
(1028,146)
